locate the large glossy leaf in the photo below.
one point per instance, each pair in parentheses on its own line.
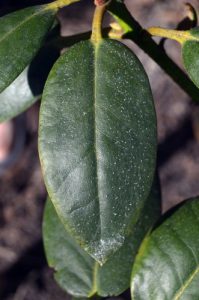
(190,53)
(97,143)
(28,86)
(167,266)
(77,272)
(21,35)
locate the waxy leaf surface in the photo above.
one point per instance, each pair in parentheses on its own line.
(28,86)
(167,265)
(97,143)
(16,98)
(79,274)
(21,35)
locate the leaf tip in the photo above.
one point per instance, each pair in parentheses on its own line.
(104,248)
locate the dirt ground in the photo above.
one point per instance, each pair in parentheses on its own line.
(24,274)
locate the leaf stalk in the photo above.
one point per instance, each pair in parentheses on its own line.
(177,35)
(59,4)
(97,22)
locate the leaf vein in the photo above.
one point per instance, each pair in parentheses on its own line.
(19,25)
(95,135)
(171,262)
(184,243)
(64,179)
(180,292)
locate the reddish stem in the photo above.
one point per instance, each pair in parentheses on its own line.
(100,2)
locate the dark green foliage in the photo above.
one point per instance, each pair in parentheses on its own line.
(97,146)
(21,35)
(28,86)
(77,272)
(190,54)
(167,266)
(97,143)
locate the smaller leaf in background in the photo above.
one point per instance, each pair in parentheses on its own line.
(16,98)
(79,274)
(189,40)
(190,54)
(28,86)
(167,265)
(73,266)
(21,35)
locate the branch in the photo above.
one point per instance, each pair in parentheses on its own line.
(59,4)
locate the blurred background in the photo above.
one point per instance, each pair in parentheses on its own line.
(24,274)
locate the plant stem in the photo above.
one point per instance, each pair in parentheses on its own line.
(99,2)
(97,24)
(59,4)
(142,38)
(178,35)
(97,20)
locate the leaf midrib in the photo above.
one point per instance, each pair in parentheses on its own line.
(94,289)
(96,48)
(20,25)
(180,292)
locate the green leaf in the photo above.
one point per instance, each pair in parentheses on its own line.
(28,86)
(114,275)
(21,35)
(16,98)
(167,266)
(97,143)
(190,54)
(73,266)
(189,40)
(79,274)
